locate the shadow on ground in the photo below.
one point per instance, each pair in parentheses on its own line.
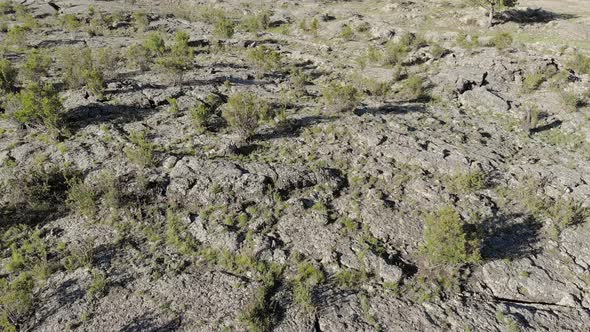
(391,109)
(532,15)
(93,114)
(293,127)
(510,236)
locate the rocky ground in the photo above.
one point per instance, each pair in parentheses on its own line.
(135,212)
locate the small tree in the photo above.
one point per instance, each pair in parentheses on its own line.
(493,6)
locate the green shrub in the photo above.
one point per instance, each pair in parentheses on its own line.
(580,63)
(502,40)
(36,66)
(177,235)
(446,241)
(533,81)
(310,28)
(142,153)
(79,69)
(95,83)
(395,53)
(6,7)
(74,62)
(567,212)
(298,80)
(36,105)
(140,21)
(308,276)
(70,22)
(264,59)
(468,182)
(82,198)
(255,23)
(97,287)
(571,101)
(258,314)
(467,41)
(155,44)
(244,111)
(201,113)
(8,75)
(347,33)
(16,36)
(412,88)
(16,297)
(223,27)
(179,59)
(138,57)
(349,278)
(340,97)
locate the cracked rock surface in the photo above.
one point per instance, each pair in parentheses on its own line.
(316,222)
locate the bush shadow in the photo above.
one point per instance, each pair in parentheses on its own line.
(510,236)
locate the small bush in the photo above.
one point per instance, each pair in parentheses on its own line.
(298,80)
(502,40)
(340,97)
(571,101)
(98,286)
(79,69)
(16,36)
(16,297)
(255,23)
(308,277)
(244,111)
(224,27)
(412,88)
(465,183)
(36,66)
(155,44)
(580,63)
(201,113)
(533,82)
(446,241)
(179,59)
(70,22)
(140,21)
(36,105)
(138,57)
(142,153)
(394,53)
(8,75)
(347,33)
(264,59)
(81,198)
(567,212)
(467,41)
